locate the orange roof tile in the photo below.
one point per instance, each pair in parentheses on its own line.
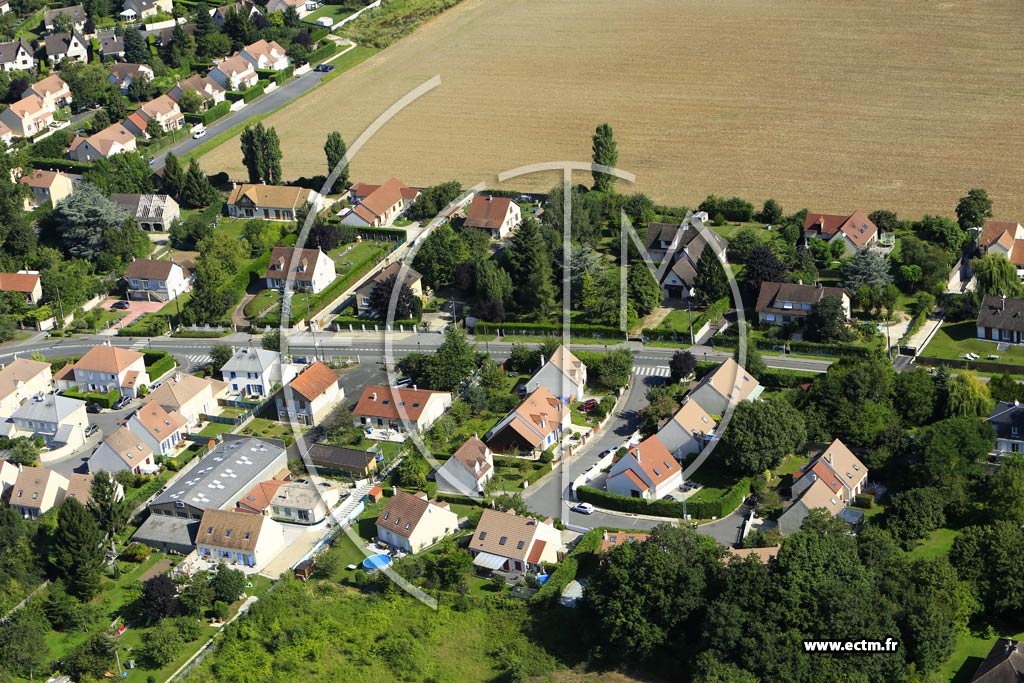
(314,381)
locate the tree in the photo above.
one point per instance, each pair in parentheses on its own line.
(107,505)
(493,290)
(380,299)
(761,434)
(81,218)
(159,598)
(605,153)
(63,23)
(174,177)
(188,233)
(180,50)
(135,50)
(968,396)
(762,266)
(914,513)
(88,84)
(196,596)
(78,549)
(93,658)
(196,190)
(1005,388)
(643,289)
(161,644)
(452,362)
(23,451)
(23,647)
(988,559)
(712,670)
(141,89)
(994,275)
(937,606)
(826,321)
(191,102)
(711,283)
(261,154)
(228,584)
(944,232)
(261,236)
(973,209)
(917,396)
(439,255)
(125,172)
(335,149)
(742,245)
(1006,491)
(771,212)
(220,354)
(434,199)
(682,365)
(885,221)
(866,268)
(529,265)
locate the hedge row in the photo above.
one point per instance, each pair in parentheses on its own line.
(106,400)
(547,329)
(729,501)
(151,325)
(915,325)
(247,95)
(66,165)
(566,572)
(323,52)
(278,77)
(639,506)
(383,234)
(318,33)
(730,337)
(210,115)
(538,473)
(158,363)
(460,500)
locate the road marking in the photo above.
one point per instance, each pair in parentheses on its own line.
(199,360)
(652,371)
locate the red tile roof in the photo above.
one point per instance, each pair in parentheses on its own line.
(378,401)
(314,381)
(18,282)
(487,211)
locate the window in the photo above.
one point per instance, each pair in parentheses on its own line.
(519,546)
(248,535)
(227,534)
(501,541)
(209,530)
(483,535)
(387,516)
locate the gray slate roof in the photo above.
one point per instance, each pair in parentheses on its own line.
(1003,314)
(249,359)
(1007,417)
(52,408)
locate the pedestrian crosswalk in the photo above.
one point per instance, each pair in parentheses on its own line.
(652,371)
(197,360)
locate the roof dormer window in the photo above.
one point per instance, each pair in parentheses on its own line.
(502,540)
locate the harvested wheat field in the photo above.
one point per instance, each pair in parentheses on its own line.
(830,105)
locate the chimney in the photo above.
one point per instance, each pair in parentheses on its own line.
(373,396)
(177,376)
(414,388)
(800,281)
(490,198)
(542,360)
(1002,303)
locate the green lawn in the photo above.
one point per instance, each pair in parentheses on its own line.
(261,302)
(335,12)
(953,340)
(269,429)
(214,429)
(679,320)
(970,650)
(715,478)
(937,544)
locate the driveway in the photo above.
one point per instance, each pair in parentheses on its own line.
(132,313)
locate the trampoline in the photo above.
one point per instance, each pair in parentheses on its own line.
(376,563)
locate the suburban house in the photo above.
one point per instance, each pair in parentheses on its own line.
(855,231)
(20,380)
(6,134)
(54,92)
(161,430)
(400,410)
(610,539)
(236,538)
(375,206)
(27,117)
(682,245)
(270,202)
(76,13)
(309,397)
(514,544)
(1001,319)
(359,464)
(112,140)
(1006,238)
(763,555)
(468,470)
(123,451)
(17,56)
(104,369)
(80,488)
(62,47)
(47,186)
(688,430)
(255,372)
(497,216)
(411,522)
(163,36)
(152,212)
(234,73)
(820,494)
(266,55)
(413,279)
(122,74)
(163,110)
(843,471)
(210,90)
(534,426)
(190,396)
(1004,663)
(301,7)
(648,470)
(36,490)
(784,302)
(728,383)
(58,420)
(1007,419)
(308,269)
(25,282)
(298,502)
(563,375)
(143,9)
(225,474)
(111,46)
(156,280)
(220,14)
(8,475)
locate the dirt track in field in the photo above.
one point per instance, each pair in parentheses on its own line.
(830,105)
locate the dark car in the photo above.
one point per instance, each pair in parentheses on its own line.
(120,305)
(325,68)
(588,405)
(93,408)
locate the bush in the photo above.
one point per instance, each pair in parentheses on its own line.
(246,95)
(146,326)
(566,571)
(323,52)
(135,552)
(158,363)
(549,329)
(863,500)
(103,400)
(210,115)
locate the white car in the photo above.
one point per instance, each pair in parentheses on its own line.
(201,133)
(584,508)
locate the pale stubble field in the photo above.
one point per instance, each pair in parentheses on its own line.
(830,105)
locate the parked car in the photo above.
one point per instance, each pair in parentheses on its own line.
(91,429)
(588,405)
(120,305)
(93,408)
(584,508)
(325,68)
(122,402)
(201,133)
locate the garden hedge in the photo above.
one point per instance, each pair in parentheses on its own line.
(550,329)
(730,338)
(158,363)
(551,591)
(704,509)
(323,52)
(106,400)
(247,95)
(210,115)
